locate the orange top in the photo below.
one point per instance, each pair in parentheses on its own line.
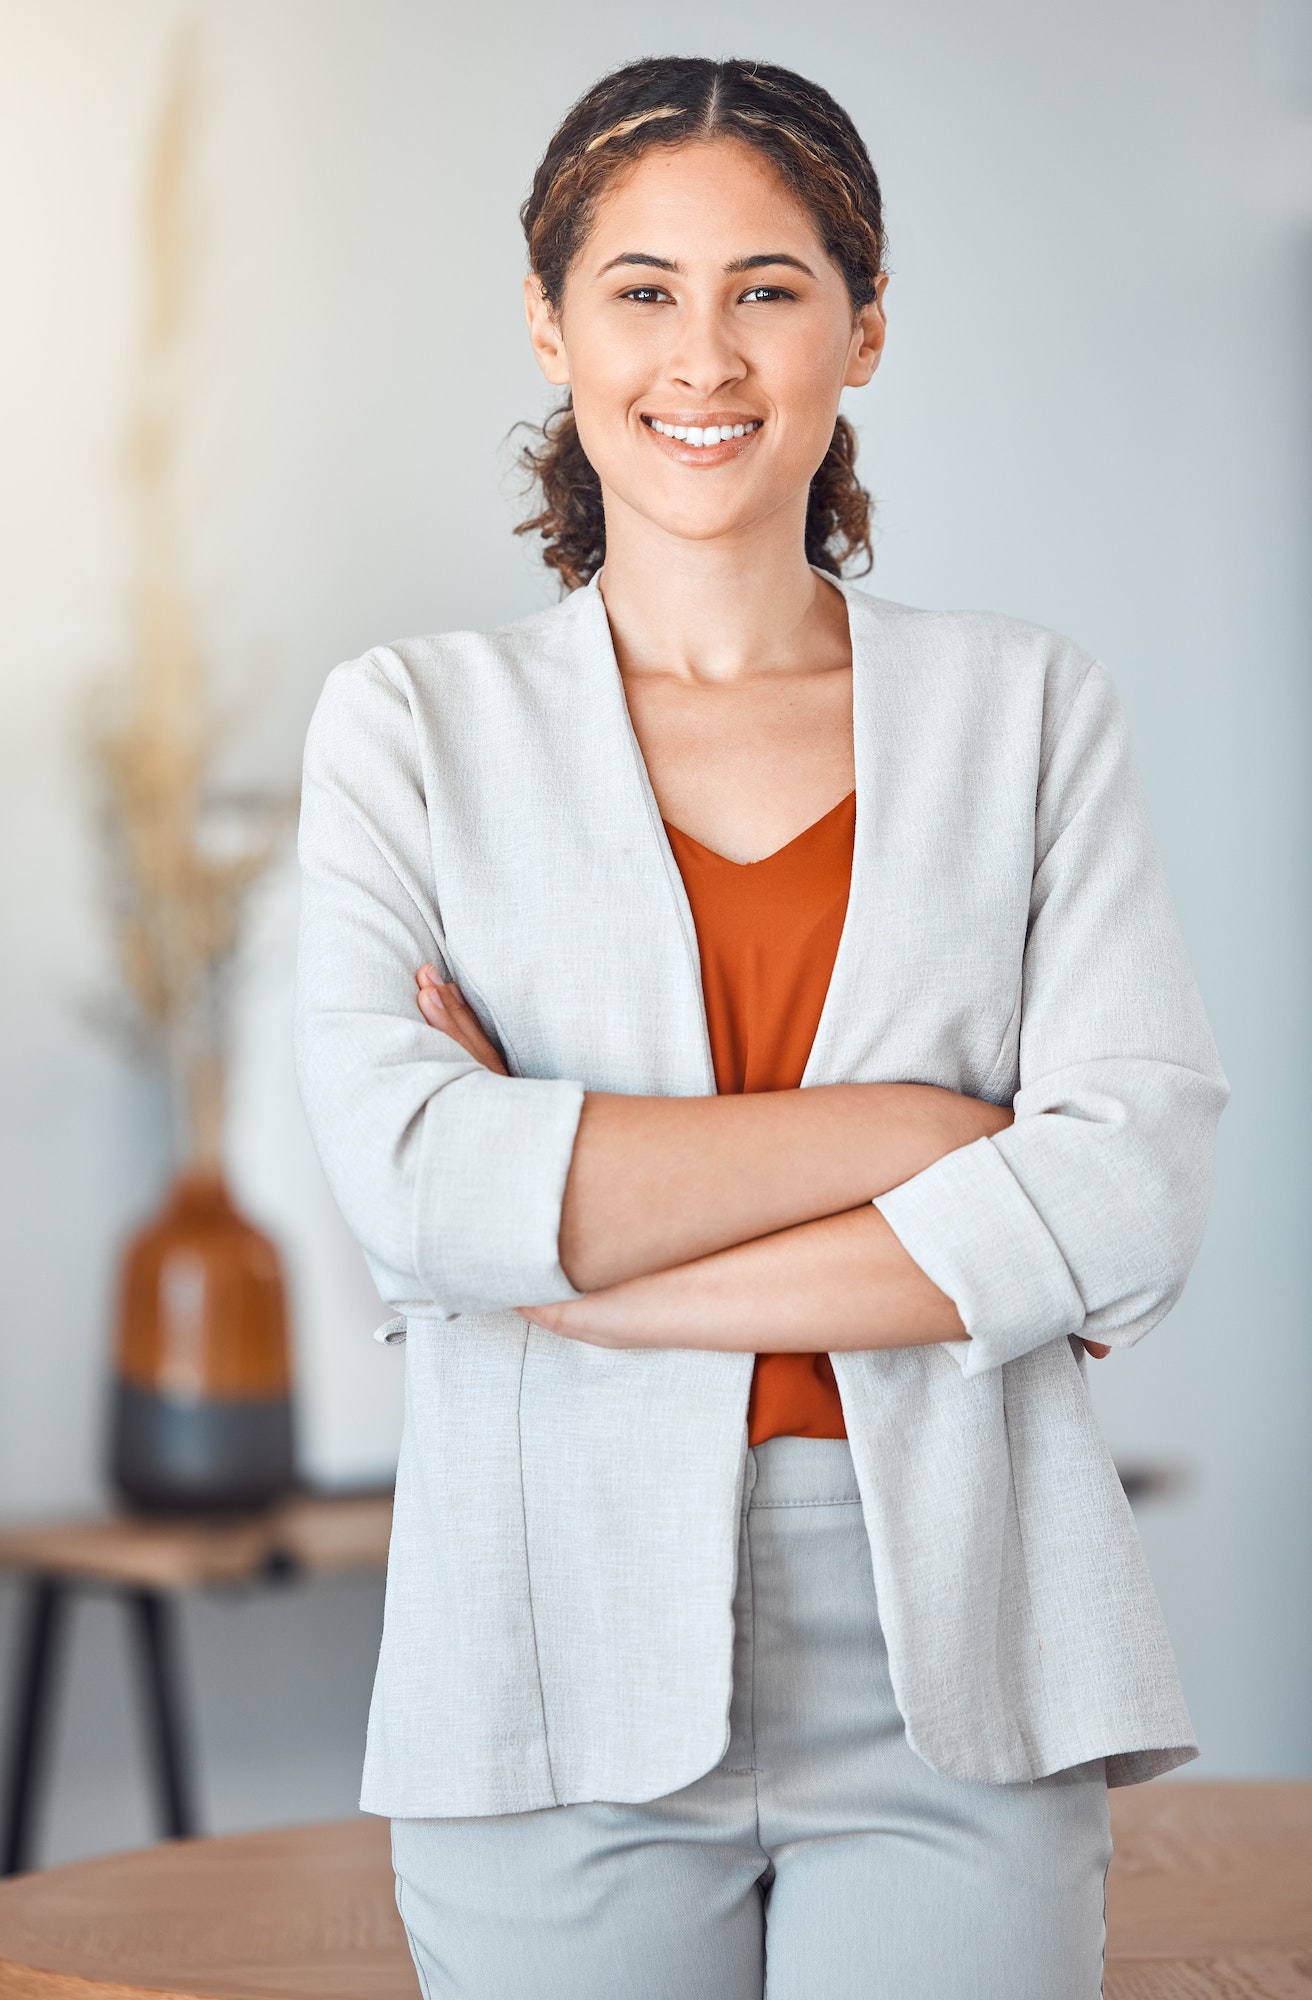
(768,935)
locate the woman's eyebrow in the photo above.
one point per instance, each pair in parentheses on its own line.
(640,257)
(767,258)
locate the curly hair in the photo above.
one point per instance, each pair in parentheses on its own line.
(667,101)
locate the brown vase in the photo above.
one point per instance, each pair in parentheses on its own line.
(202,1405)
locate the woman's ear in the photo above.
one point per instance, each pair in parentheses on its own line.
(867,338)
(544,332)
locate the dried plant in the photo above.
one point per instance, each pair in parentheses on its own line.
(181,856)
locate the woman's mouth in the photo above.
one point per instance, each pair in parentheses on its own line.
(715,439)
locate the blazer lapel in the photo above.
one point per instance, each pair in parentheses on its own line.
(674,885)
(853,984)
(926,983)
(567,916)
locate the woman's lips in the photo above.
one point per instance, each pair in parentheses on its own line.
(715,441)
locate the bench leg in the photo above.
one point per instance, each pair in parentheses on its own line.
(37,1658)
(153,1622)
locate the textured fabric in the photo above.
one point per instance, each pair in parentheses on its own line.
(767,936)
(821,1858)
(559,1614)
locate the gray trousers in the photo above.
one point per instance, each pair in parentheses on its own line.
(821,1860)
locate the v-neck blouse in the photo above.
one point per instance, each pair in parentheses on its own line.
(768,935)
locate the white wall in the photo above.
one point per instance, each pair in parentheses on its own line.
(1094,412)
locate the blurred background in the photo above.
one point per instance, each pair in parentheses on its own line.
(1094,412)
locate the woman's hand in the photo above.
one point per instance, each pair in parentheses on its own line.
(445,1008)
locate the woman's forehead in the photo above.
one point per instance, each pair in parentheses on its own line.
(718,200)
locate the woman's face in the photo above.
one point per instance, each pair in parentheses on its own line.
(704,299)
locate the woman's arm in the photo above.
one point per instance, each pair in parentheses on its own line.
(1083,1217)
(846,1273)
(658,1182)
(843,1282)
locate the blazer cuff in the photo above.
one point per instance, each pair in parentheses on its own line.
(971,1227)
(491,1182)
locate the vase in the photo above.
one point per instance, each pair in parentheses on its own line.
(202,1415)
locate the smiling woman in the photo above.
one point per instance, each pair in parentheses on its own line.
(761,1590)
(827,195)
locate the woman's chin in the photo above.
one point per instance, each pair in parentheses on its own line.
(697,520)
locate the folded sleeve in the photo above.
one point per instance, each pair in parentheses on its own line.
(452,1178)
(1085,1215)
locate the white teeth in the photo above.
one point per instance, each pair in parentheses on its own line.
(700,435)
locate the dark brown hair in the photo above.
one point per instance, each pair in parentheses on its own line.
(667,101)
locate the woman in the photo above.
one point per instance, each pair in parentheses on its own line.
(764,1613)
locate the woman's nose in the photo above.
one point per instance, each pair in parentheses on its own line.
(705,356)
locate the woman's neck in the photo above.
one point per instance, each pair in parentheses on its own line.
(718,610)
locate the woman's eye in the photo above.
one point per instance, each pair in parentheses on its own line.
(645,295)
(760,293)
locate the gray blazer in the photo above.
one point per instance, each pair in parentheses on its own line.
(558,1622)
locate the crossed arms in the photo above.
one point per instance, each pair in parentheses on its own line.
(744,1223)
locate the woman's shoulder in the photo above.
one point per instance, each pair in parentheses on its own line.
(981,641)
(991,663)
(523,644)
(421,674)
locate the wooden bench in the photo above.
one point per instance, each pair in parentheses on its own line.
(1210,1899)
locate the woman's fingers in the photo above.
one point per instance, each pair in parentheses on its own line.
(444,1007)
(553,1318)
(583,1320)
(429,997)
(1097,1349)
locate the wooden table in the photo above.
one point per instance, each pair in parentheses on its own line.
(145,1561)
(1210,1898)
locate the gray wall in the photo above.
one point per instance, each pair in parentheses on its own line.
(1093,413)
